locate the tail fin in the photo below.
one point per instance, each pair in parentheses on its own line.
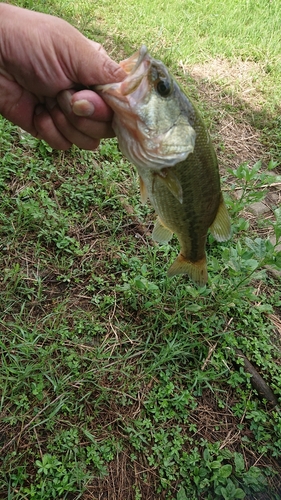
(197,271)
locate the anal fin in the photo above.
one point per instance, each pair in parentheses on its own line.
(221,227)
(197,271)
(161,233)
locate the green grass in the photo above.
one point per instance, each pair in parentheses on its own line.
(113,377)
(184,33)
(102,355)
(204,29)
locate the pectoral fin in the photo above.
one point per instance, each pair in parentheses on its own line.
(221,227)
(161,233)
(197,271)
(172,182)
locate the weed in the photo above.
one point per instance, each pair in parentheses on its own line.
(113,377)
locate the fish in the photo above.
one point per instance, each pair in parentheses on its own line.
(161,132)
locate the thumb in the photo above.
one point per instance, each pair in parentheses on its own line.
(94,66)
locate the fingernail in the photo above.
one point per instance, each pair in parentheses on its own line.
(64,100)
(83,108)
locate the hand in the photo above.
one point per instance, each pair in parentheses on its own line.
(43,61)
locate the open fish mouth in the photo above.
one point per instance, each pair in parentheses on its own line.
(132,63)
(137,67)
(160,131)
(153,119)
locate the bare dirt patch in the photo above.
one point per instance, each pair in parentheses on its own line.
(232,92)
(240,77)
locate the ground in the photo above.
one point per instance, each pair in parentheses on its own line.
(85,290)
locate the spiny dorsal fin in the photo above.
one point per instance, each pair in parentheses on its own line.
(161,233)
(221,227)
(197,271)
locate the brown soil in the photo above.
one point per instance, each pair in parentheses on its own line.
(231,90)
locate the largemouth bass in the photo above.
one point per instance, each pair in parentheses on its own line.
(161,132)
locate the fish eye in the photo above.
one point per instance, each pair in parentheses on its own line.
(164,87)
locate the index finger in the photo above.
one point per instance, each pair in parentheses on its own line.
(102,70)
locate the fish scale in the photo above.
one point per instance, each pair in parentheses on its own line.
(161,132)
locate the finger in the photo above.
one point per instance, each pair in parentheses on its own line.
(70,124)
(86,133)
(47,130)
(102,70)
(84,103)
(101,110)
